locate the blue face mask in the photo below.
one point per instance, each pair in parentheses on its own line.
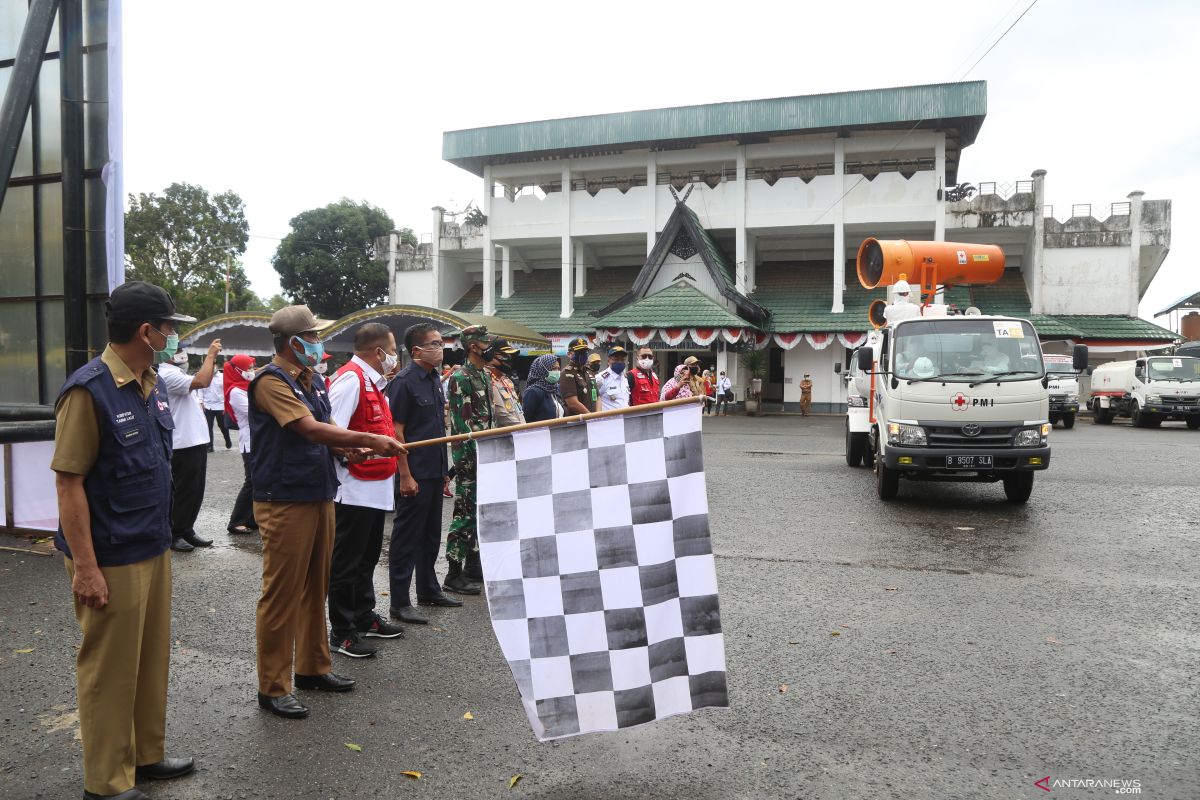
(618,367)
(312,352)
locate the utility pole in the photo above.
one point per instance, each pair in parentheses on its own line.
(228,269)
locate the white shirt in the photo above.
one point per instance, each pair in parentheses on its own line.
(897,312)
(214,395)
(613,389)
(724,385)
(190,427)
(239,401)
(344,393)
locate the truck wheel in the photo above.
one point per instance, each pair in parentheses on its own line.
(1053,420)
(1101,416)
(887,481)
(1068,421)
(854,447)
(1137,417)
(868,453)
(1018,486)
(1193,422)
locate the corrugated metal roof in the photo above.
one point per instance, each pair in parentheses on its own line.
(678,306)
(933,105)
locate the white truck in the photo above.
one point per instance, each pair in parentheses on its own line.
(1064,389)
(858,423)
(1148,391)
(957,398)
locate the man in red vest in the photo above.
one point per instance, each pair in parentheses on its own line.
(643,383)
(364,496)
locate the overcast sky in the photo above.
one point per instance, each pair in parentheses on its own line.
(297,104)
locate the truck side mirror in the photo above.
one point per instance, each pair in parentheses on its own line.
(865,357)
(837,368)
(1079,358)
(1090,370)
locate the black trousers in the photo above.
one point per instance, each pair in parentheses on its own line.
(357,543)
(188,465)
(243,507)
(416,541)
(219,416)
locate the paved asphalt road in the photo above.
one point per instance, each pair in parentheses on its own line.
(949,645)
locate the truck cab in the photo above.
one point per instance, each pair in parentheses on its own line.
(958,398)
(1063,388)
(1148,390)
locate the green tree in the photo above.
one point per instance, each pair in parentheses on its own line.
(329,259)
(186,240)
(276,302)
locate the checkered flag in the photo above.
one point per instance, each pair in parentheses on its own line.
(599,570)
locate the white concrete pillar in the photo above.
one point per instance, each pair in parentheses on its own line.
(568,299)
(652,193)
(435,257)
(488,252)
(580,268)
(839,227)
(751,262)
(1135,249)
(506,271)
(1031,265)
(939,168)
(740,224)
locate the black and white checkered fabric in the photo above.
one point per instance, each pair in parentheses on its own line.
(599,570)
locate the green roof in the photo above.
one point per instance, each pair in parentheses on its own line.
(956,107)
(1116,327)
(678,306)
(800,297)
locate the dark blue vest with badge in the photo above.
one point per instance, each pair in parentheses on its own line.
(129,487)
(286,467)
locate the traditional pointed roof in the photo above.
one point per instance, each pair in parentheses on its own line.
(680,305)
(683,234)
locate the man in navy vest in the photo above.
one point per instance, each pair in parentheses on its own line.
(294,486)
(112,459)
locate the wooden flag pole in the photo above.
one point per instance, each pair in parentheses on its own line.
(550,423)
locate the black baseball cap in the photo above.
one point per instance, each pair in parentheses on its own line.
(137,301)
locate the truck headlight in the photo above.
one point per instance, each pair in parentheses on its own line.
(903,434)
(1033,437)
(854,401)
(1154,398)
(1072,398)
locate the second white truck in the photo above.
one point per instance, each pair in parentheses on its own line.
(1149,391)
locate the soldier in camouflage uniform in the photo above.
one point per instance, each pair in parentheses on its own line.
(469,398)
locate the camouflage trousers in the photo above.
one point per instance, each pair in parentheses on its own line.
(463,536)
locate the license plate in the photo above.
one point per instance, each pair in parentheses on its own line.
(968,462)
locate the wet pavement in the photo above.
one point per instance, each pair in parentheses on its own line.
(948,645)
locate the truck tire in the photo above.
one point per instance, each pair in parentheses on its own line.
(1018,486)
(1068,421)
(1101,416)
(868,453)
(1193,422)
(887,481)
(1136,416)
(855,445)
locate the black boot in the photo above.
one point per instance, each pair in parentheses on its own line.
(474,568)
(457,582)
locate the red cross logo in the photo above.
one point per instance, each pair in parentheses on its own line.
(959,401)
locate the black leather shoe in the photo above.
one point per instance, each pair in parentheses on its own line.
(181,546)
(325,683)
(407,614)
(166,769)
(287,706)
(438,599)
(132,794)
(460,585)
(196,540)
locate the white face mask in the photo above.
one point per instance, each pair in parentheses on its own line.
(390,360)
(645,363)
(321,368)
(248,374)
(180,358)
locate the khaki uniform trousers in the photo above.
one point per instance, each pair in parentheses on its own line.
(806,403)
(297,543)
(121,673)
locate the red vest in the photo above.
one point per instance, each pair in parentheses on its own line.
(645,388)
(371,416)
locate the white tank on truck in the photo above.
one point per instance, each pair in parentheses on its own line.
(950,397)
(1148,390)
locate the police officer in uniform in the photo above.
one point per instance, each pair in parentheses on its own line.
(112,459)
(612,383)
(577,383)
(294,486)
(506,403)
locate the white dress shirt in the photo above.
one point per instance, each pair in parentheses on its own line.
(214,395)
(239,401)
(190,427)
(344,394)
(613,389)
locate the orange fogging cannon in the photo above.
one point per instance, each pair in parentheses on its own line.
(882,262)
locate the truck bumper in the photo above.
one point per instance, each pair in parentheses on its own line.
(1172,412)
(1064,408)
(931,462)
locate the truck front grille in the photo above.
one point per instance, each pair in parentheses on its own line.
(989,436)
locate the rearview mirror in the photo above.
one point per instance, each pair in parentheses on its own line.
(1079,358)
(837,368)
(865,359)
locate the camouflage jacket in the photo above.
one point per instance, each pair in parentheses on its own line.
(469,397)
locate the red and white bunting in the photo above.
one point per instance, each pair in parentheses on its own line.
(787,341)
(852,340)
(673,336)
(705,336)
(731,335)
(819,341)
(640,336)
(761,340)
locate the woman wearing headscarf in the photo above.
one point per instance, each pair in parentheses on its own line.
(680,384)
(542,399)
(238,373)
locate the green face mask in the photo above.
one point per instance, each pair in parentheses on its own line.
(161,356)
(552,377)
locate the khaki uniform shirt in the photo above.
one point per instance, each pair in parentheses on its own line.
(506,406)
(575,381)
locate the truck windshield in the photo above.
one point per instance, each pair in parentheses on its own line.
(1057,365)
(1174,369)
(965,350)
